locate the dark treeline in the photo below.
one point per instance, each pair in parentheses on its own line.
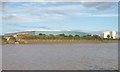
(60,36)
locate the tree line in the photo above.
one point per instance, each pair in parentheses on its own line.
(61,36)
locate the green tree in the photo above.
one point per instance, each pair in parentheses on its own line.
(77,36)
(108,36)
(111,37)
(63,35)
(70,36)
(40,34)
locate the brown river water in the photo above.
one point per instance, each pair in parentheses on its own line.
(103,56)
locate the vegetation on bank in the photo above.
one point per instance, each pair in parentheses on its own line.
(61,38)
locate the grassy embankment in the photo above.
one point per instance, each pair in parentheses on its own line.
(61,38)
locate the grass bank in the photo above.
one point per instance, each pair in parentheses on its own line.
(31,39)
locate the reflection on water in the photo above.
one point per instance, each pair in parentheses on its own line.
(60,56)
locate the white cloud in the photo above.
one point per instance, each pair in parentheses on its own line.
(101,15)
(57,8)
(67,10)
(21,18)
(3,6)
(60,0)
(100,5)
(32,13)
(55,11)
(93,15)
(100,0)
(105,15)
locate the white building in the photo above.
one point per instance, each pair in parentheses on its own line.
(109,34)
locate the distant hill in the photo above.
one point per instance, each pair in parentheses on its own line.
(51,32)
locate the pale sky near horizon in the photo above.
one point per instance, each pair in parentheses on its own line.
(82,16)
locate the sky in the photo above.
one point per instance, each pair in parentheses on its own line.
(80,16)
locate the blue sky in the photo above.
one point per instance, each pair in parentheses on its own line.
(82,16)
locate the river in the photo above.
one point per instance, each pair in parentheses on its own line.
(102,56)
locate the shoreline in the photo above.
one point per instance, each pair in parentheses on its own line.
(64,42)
(54,39)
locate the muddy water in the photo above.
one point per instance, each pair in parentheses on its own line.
(60,57)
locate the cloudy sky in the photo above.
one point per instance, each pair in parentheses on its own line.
(82,16)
